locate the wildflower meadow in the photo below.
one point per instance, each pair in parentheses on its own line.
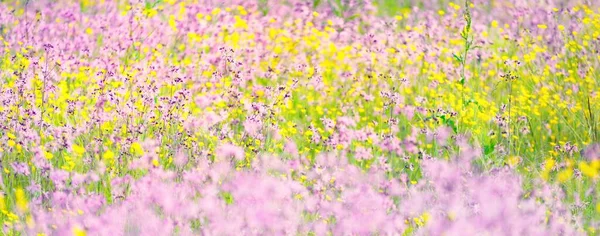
(300,117)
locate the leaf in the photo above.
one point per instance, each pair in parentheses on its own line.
(227,197)
(443,118)
(352,17)
(450,123)
(457,57)
(316,3)
(487,149)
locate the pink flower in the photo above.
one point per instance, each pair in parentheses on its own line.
(591,152)
(290,148)
(252,127)
(225,151)
(180,159)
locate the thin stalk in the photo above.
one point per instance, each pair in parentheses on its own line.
(592,120)
(462,59)
(509,114)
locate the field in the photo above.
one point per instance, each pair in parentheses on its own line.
(295,117)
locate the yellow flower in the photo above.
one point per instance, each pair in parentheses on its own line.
(173,23)
(548,168)
(21,200)
(216,11)
(240,23)
(48,155)
(108,155)
(588,170)
(69,164)
(77,231)
(2,204)
(513,161)
(495,24)
(565,175)
(29,221)
(595,164)
(136,149)
(77,149)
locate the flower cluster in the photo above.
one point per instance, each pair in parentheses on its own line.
(299,117)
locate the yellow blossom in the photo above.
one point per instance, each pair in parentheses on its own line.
(136,149)
(108,155)
(77,231)
(78,149)
(21,200)
(588,170)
